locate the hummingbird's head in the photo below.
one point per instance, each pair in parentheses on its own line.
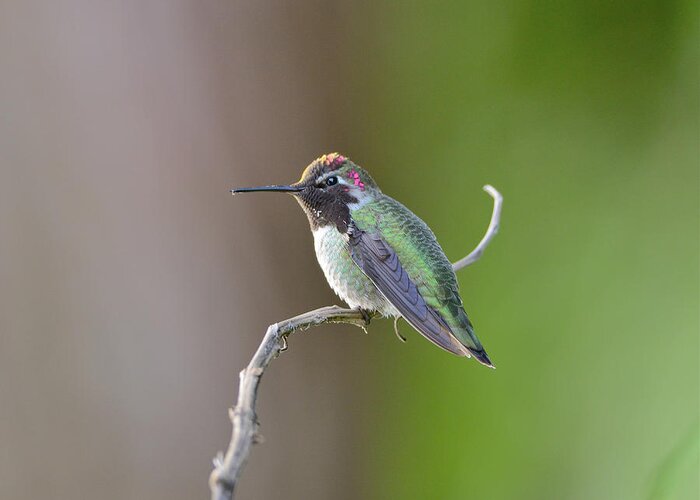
(330,188)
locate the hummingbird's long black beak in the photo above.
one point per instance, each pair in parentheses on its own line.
(278,189)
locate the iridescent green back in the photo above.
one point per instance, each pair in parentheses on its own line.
(422,258)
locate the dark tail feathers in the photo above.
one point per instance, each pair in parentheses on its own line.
(481,356)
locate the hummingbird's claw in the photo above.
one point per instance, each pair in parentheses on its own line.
(366,315)
(396,329)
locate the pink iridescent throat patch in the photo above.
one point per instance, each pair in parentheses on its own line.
(355,176)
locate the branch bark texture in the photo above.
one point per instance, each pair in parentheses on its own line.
(228,467)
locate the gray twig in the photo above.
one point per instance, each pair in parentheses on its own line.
(490,232)
(228,467)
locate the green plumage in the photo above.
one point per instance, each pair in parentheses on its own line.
(423,260)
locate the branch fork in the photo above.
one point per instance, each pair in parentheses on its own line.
(228,467)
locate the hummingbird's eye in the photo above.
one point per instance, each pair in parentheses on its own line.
(331,181)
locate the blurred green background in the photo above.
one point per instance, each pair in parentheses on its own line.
(133,289)
(585,116)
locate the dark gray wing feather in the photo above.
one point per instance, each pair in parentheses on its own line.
(380,263)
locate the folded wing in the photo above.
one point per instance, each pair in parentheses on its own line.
(380,263)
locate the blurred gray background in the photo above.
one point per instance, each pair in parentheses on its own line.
(133,288)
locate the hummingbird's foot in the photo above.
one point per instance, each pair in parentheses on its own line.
(366,315)
(285,344)
(396,329)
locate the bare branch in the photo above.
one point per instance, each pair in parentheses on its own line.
(228,468)
(490,232)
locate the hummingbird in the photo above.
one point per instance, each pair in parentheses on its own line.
(380,257)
